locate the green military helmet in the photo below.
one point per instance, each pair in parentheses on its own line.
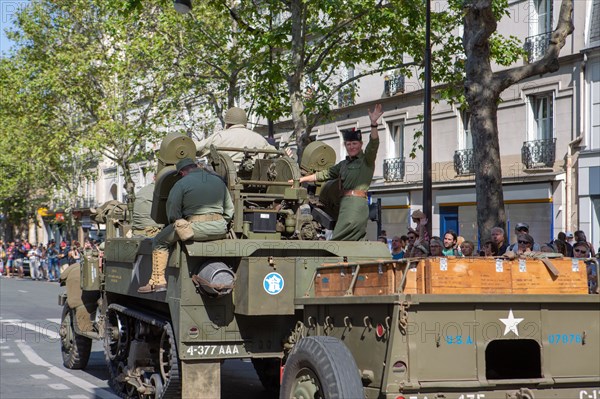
(236,116)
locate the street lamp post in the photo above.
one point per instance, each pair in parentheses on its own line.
(427,121)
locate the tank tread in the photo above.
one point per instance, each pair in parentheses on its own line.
(172,388)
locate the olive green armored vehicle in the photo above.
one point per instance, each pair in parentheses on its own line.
(323,319)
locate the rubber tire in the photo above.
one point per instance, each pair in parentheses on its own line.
(75,357)
(268,373)
(331,361)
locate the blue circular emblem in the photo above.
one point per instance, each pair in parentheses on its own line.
(273,283)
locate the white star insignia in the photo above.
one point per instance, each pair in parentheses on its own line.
(511,323)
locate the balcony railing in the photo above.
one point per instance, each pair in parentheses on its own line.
(463,162)
(536,46)
(394,84)
(393,169)
(83,203)
(538,153)
(345,97)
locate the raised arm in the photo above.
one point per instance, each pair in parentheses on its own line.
(374,116)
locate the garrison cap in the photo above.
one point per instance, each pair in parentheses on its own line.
(353,134)
(183,163)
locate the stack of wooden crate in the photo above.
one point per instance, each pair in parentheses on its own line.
(455,275)
(501,276)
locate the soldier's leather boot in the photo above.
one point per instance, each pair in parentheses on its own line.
(157,282)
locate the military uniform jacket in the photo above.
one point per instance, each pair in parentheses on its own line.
(236,136)
(142,206)
(199,193)
(356,173)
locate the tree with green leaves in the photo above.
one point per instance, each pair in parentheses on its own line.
(296,42)
(22,190)
(40,162)
(111,69)
(302,51)
(213,66)
(483,87)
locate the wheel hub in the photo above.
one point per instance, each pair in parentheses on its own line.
(66,333)
(307,385)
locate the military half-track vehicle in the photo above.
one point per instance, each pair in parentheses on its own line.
(324,319)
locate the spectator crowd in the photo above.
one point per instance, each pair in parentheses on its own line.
(47,261)
(43,262)
(417,244)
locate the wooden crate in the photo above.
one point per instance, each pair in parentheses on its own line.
(414,283)
(532,276)
(376,280)
(457,276)
(333,281)
(372,279)
(466,276)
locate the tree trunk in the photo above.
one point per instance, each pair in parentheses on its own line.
(232,89)
(298,17)
(129,188)
(488,170)
(482,96)
(482,92)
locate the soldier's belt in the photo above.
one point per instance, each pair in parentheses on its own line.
(209,217)
(354,193)
(148,231)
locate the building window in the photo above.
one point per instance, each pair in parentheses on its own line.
(466,139)
(346,93)
(540,28)
(394,164)
(113,191)
(595,22)
(595,222)
(593,83)
(543,121)
(539,151)
(394,84)
(397,139)
(463,157)
(345,97)
(541,17)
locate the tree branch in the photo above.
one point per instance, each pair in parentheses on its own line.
(549,62)
(236,17)
(344,26)
(317,116)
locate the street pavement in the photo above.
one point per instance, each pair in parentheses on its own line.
(30,357)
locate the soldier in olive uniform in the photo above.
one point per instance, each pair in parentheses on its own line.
(235,135)
(355,174)
(202,199)
(142,223)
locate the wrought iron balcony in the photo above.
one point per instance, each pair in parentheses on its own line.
(536,46)
(463,162)
(393,169)
(394,84)
(58,204)
(538,153)
(345,97)
(83,203)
